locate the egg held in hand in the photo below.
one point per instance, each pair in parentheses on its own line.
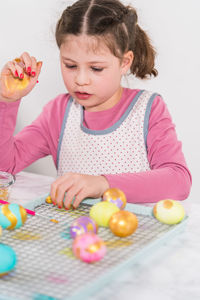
(13,84)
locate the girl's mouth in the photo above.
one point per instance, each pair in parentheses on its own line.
(82,96)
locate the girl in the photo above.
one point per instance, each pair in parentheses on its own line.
(100,134)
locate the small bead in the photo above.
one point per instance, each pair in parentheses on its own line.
(48,200)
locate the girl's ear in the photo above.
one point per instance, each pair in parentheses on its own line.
(127,61)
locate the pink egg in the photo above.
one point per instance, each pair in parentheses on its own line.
(89,247)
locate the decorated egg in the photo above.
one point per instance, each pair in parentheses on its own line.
(115,196)
(13,84)
(102,211)
(0,230)
(82,225)
(89,247)
(12,216)
(8,259)
(169,211)
(123,223)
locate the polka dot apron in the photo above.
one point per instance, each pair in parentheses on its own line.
(120,148)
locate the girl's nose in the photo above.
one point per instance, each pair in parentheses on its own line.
(82,78)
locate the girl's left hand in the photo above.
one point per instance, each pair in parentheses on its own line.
(78,186)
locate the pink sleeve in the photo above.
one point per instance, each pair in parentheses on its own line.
(169,176)
(35,141)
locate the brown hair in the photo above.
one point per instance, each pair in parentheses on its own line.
(116,24)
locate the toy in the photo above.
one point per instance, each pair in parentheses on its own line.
(169,211)
(82,225)
(31,212)
(115,196)
(123,223)
(89,247)
(102,211)
(7,259)
(12,216)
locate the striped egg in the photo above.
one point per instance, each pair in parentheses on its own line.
(12,216)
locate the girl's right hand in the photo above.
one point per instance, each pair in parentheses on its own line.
(18,77)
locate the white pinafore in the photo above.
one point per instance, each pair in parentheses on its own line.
(118,149)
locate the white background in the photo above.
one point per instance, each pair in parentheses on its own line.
(173,26)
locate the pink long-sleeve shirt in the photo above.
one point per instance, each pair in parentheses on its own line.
(169,176)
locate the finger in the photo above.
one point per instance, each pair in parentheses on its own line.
(33,66)
(18,61)
(79,198)
(6,70)
(38,69)
(10,68)
(60,193)
(53,192)
(55,185)
(25,57)
(71,195)
(19,70)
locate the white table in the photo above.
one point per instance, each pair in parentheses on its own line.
(171,273)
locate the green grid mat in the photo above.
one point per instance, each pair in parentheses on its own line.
(46,268)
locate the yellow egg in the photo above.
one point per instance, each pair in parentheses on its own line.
(169,211)
(123,223)
(115,196)
(0,230)
(13,84)
(101,212)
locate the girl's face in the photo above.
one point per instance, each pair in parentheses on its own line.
(91,74)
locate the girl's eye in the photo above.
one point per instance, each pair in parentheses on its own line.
(96,69)
(70,66)
(93,68)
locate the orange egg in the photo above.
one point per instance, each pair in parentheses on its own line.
(123,223)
